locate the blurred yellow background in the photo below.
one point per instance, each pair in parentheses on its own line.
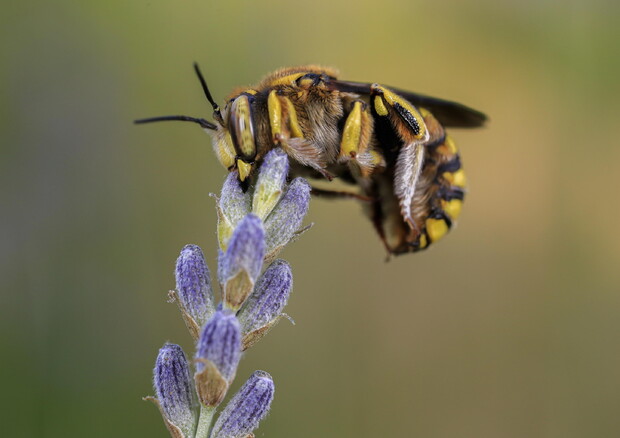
(506,328)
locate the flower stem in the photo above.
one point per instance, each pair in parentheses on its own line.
(204,422)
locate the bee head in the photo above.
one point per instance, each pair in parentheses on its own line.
(233,133)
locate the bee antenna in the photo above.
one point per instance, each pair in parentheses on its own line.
(202,122)
(205,88)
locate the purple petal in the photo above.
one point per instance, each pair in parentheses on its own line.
(233,201)
(269,297)
(247,408)
(220,342)
(194,283)
(173,387)
(286,218)
(246,250)
(233,205)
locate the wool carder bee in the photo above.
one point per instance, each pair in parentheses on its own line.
(390,144)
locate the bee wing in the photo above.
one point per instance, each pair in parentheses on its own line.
(447,112)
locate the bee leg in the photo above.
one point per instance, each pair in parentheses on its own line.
(355,148)
(377,216)
(340,194)
(409,125)
(406,175)
(287,134)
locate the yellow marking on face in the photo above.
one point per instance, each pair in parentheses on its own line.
(252,92)
(286,80)
(452,208)
(225,151)
(244,169)
(292,119)
(349,146)
(380,106)
(275,113)
(423,242)
(436,229)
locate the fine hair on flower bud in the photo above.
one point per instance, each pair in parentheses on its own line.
(193,284)
(240,266)
(220,343)
(232,206)
(247,408)
(268,300)
(286,218)
(217,355)
(173,388)
(270,182)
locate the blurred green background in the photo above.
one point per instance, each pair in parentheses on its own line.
(506,328)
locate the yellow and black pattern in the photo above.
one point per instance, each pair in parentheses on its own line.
(438,197)
(389,143)
(447,197)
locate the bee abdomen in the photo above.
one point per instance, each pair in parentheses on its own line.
(447,192)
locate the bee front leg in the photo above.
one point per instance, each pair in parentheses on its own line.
(411,129)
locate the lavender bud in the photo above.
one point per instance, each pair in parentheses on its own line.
(217,355)
(265,305)
(240,265)
(285,220)
(194,284)
(247,407)
(270,183)
(220,343)
(173,388)
(233,205)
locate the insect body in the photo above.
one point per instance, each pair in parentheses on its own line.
(391,144)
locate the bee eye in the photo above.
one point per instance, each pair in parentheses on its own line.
(241,126)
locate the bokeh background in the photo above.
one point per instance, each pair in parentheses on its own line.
(509,327)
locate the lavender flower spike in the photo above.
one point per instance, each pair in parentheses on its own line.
(193,282)
(217,355)
(246,409)
(270,183)
(232,206)
(174,392)
(241,264)
(285,220)
(264,307)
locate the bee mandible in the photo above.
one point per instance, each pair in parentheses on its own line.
(390,144)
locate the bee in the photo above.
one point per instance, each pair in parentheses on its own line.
(388,143)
